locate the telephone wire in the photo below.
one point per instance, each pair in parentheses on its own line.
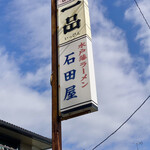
(121,124)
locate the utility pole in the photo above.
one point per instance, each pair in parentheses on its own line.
(137,144)
(56,120)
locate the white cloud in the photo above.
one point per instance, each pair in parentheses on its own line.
(21,105)
(25,93)
(40,78)
(147,72)
(119,89)
(31,26)
(143,33)
(119,3)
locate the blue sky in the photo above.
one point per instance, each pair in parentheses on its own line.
(121,48)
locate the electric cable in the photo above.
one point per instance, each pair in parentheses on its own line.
(142,13)
(121,124)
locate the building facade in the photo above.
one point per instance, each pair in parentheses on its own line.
(15,138)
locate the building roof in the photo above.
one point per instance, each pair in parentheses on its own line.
(24,135)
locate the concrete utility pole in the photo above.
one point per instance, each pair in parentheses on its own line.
(56,120)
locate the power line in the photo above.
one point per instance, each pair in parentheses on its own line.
(142,14)
(121,124)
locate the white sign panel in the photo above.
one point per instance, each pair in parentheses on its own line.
(73,21)
(77,89)
(62,2)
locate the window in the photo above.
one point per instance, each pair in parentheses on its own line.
(7,143)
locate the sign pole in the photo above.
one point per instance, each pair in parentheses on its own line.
(56,120)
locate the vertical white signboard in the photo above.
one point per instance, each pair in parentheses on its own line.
(77,89)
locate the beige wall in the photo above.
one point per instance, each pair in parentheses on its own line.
(28,147)
(35,148)
(25,147)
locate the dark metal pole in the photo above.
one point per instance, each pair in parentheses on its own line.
(56,120)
